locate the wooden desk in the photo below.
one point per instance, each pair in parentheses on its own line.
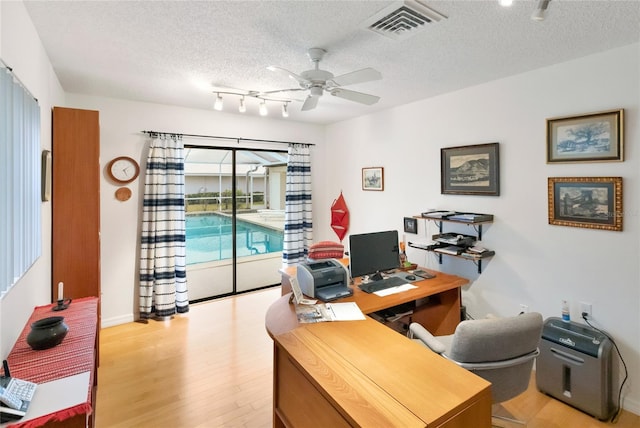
(361,373)
(438,299)
(77,354)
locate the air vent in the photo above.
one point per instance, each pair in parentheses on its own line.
(403,19)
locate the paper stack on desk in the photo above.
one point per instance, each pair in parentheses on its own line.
(348,311)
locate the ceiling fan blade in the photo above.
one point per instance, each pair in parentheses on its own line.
(281,90)
(359,76)
(310,103)
(358,97)
(291,74)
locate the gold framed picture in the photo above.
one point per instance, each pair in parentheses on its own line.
(588,202)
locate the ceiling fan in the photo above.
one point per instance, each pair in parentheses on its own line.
(317,81)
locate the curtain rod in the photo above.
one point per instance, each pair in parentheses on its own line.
(4,64)
(236,139)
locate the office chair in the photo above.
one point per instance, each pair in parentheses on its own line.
(500,350)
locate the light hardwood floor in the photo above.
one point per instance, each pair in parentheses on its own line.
(213,368)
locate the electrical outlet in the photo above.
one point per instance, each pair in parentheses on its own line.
(585,307)
(524,308)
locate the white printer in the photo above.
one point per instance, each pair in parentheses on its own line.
(324,279)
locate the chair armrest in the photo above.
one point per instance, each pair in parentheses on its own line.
(499,364)
(419,332)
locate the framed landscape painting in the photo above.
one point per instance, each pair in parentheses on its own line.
(470,170)
(373,178)
(589,202)
(595,137)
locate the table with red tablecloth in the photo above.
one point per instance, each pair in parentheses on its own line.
(76,354)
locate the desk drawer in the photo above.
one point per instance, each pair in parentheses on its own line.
(297,402)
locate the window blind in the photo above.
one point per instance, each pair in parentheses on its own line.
(20,175)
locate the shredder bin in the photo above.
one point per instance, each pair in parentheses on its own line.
(574,366)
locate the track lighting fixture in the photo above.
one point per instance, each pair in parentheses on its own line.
(541,10)
(247,96)
(263,108)
(218,104)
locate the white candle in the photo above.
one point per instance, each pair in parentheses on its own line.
(60,291)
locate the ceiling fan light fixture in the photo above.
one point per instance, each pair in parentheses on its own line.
(263,108)
(541,10)
(315,91)
(219,103)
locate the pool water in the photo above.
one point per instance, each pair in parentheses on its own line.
(209,238)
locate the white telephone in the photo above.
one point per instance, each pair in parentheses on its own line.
(15,396)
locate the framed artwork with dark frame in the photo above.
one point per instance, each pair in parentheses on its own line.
(470,170)
(588,202)
(594,137)
(410,225)
(373,178)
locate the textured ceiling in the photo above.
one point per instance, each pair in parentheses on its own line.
(178,52)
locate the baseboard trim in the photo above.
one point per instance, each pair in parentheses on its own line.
(111,322)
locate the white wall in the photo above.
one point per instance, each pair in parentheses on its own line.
(21,49)
(121,123)
(535,264)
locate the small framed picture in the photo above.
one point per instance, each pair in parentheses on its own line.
(373,178)
(595,137)
(470,170)
(410,225)
(589,202)
(46,175)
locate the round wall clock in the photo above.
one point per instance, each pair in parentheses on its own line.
(123,169)
(123,194)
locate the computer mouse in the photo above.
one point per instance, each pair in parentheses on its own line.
(410,277)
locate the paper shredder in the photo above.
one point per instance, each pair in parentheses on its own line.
(574,366)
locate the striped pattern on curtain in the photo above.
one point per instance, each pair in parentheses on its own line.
(298,224)
(163,274)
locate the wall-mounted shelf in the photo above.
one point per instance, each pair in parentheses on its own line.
(477,225)
(459,218)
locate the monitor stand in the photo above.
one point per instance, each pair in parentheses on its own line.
(376,277)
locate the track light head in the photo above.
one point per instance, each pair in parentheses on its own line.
(242,108)
(263,108)
(218,104)
(285,112)
(541,10)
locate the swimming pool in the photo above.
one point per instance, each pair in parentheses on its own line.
(209,238)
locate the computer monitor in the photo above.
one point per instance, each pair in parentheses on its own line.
(372,253)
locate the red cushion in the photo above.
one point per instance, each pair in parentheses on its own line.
(326,250)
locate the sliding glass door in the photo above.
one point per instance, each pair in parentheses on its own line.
(235,219)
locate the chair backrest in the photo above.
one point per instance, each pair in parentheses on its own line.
(499,341)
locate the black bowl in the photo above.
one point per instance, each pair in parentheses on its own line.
(47,333)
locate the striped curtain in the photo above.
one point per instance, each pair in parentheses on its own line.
(163,279)
(298,225)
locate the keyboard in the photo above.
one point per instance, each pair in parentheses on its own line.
(383,284)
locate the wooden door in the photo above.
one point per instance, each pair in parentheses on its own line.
(76,203)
